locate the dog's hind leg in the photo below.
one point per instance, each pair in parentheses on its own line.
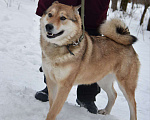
(127,81)
(129,94)
(107,85)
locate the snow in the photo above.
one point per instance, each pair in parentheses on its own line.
(20,55)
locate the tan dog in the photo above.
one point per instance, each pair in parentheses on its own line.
(94,59)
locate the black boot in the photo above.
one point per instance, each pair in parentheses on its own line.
(86,95)
(42,95)
(90,106)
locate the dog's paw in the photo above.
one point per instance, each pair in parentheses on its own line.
(103,112)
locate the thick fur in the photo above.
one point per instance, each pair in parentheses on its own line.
(117,31)
(100,59)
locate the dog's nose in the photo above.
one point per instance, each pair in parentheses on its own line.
(49,27)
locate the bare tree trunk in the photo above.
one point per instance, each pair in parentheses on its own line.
(148,27)
(124,4)
(114,5)
(144,12)
(133,2)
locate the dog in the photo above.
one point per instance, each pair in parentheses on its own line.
(68,60)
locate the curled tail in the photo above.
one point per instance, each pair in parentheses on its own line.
(116,30)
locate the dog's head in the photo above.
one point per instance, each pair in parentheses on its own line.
(60,24)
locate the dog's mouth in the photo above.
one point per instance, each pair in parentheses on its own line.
(51,35)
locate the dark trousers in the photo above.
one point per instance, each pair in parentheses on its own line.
(87,93)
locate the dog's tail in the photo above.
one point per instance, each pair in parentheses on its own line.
(116,30)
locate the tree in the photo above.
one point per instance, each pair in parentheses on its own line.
(148,27)
(146,5)
(114,5)
(123,5)
(133,2)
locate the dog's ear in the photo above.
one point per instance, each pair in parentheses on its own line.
(55,2)
(76,9)
(45,12)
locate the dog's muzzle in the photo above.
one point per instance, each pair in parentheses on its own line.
(49,28)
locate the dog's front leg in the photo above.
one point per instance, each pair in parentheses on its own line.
(61,96)
(52,90)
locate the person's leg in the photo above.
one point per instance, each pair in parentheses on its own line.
(86,96)
(86,93)
(43,94)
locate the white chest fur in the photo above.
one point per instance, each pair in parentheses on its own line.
(57,73)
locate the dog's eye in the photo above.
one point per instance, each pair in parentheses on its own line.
(50,15)
(63,18)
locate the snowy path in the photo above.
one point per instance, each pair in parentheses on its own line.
(20,59)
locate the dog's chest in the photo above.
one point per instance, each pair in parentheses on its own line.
(58,73)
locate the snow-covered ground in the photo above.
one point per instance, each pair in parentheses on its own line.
(20,59)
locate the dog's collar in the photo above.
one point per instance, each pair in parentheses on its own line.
(74,44)
(83,27)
